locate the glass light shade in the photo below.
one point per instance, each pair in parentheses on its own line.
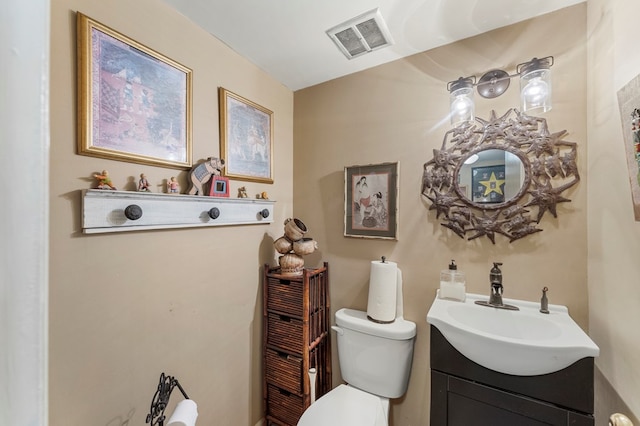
(462,106)
(535,90)
(472,159)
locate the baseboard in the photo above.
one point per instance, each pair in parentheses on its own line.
(607,401)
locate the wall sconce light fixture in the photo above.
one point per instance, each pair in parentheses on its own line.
(461,100)
(535,89)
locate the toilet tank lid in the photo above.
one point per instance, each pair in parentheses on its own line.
(352,319)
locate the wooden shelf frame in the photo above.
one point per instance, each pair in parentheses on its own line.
(106,211)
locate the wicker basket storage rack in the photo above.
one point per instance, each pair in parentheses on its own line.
(296,338)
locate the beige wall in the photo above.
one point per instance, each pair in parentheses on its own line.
(126,307)
(614,236)
(397,112)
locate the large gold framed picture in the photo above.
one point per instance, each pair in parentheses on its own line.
(134,104)
(246,138)
(629,104)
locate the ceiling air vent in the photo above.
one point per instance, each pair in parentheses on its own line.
(362,34)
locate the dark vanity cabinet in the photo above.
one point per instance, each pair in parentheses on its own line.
(296,318)
(464,393)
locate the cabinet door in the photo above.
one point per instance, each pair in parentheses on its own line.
(469,403)
(465,411)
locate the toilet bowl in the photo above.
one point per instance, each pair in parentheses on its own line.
(347,406)
(375,361)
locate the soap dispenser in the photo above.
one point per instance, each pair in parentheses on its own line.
(452,283)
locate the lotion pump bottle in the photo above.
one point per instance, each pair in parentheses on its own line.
(452,283)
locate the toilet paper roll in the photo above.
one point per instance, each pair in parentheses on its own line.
(381,306)
(185,414)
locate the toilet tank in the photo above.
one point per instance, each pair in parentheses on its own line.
(375,357)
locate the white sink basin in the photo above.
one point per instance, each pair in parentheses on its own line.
(522,343)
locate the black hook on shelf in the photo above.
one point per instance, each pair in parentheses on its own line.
(133,212)
(214,213)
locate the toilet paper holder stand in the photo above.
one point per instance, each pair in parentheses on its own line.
(161,399)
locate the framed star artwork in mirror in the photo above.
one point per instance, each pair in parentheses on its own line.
(488,184)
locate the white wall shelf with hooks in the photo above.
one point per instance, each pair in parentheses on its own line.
(117,211)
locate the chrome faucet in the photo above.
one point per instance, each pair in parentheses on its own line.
(495,277)
(495,298)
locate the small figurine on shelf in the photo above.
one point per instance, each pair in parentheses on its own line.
(242,192)
(143,184)
(262,196)
(104,181)
(173,187)
(202,173)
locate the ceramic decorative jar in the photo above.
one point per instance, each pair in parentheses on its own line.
(292,245)
(304,246)
(294,229)
(283,245)
(291,264)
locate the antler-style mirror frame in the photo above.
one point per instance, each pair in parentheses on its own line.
(548,169)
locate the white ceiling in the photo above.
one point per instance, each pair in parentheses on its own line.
(288,40)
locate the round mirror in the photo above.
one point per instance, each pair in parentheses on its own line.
(499,176)
(491,177)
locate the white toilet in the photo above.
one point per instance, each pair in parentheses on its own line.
(375,361)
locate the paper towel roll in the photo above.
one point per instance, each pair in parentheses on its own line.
(382,291)
(185,414)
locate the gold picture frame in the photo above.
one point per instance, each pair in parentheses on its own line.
(134,104)
(629,104)
(246,138)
